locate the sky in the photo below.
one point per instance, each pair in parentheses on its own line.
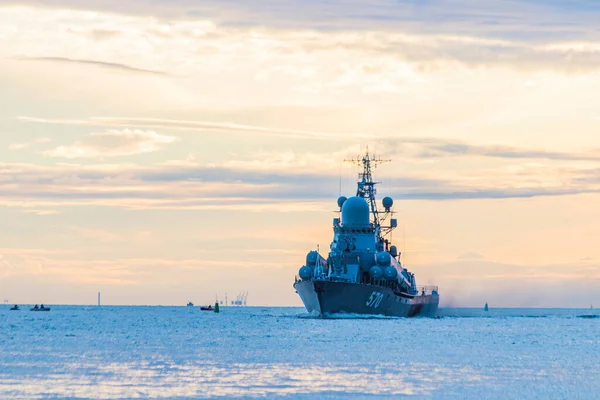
(165,152)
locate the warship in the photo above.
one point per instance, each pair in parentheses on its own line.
(363,273)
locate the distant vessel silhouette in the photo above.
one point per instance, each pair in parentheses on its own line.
(486,307)
(363,273)
(41,308)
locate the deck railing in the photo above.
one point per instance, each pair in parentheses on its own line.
(427,290)
(421,290)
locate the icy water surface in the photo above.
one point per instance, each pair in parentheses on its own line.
(180,352)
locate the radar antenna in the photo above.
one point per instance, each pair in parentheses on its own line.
(366,186)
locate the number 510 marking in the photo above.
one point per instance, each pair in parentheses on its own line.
(374,300)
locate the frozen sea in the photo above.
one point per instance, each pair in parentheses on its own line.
(80,352)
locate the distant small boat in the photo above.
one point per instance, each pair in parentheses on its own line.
(42,308)
(15,308)
(190,304)
(486,308)
(209,308)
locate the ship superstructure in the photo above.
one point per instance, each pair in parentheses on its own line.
(362,273)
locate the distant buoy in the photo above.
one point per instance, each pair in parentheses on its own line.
(217,307)
(486,307)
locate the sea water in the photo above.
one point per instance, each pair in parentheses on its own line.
(182,352)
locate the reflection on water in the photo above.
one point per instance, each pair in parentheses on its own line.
(166,380)
(169,352)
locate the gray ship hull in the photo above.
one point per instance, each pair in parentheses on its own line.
(325,297)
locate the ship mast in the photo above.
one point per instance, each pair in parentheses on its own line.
(366,186)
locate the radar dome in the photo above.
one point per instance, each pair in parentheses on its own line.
(390,273)
(355,213)
(387,202)
(384,258)
(341,201)
(311,257)
(305,273)
(376,272)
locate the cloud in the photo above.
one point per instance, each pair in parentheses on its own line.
(21,146)
(201,126)
(5,265)
(32,252)
(192,185)
(435,148)
(589,176)
(505,193)
(387,54)
(572,47)
(113,143)
(103,64)
(41,212)
(18,146)
(419,147)
(494,19)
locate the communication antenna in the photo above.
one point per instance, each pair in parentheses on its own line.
(340,193)
(366,185)
(404,240)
